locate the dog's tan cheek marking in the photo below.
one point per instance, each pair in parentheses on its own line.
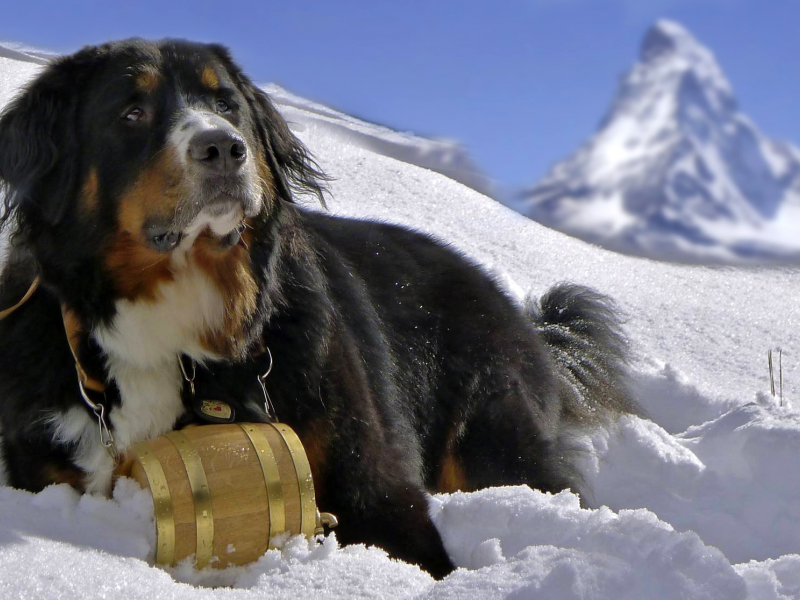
(137,269)
(89,191)
(297,244)
(230,269)
(209,78)
(266,180)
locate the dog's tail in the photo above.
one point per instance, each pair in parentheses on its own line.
(583,331)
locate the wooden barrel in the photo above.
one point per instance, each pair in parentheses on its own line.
(221,492)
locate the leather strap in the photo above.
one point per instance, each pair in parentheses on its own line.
(74,330)
(25,298)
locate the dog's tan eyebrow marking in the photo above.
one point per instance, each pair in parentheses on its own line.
(147,79)
(209,78)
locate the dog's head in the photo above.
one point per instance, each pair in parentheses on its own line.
(131,152)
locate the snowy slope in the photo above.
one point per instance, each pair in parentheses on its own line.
(23,53)
(446,157)
(676,171)
(702,502)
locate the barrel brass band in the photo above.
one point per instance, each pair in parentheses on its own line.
(162,504)
(308,503)
(272,479)
(201,496)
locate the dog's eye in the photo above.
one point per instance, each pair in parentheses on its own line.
(135,114)
(222,106)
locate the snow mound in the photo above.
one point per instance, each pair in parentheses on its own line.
(534,545)
(726,479)
(510,542)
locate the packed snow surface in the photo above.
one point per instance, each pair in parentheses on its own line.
(702,501)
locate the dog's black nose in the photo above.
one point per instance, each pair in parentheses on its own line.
(220,151)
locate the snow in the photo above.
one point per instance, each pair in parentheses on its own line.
(702,501)
(442,156)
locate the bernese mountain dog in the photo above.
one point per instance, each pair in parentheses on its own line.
(149,190)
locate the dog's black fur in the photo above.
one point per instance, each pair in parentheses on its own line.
(401,365)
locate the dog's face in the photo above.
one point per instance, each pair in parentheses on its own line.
(174,140)
(135,153)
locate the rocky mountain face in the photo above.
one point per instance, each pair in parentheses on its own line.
(675,170)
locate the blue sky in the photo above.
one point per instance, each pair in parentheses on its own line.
(521,83)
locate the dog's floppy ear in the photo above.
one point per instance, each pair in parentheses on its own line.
(39,146)
(294,168)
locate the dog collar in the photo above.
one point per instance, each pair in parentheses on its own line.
(218,411)
(74,331)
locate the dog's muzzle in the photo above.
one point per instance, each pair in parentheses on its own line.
(221,180)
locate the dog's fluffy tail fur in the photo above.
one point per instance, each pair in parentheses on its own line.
(583,330)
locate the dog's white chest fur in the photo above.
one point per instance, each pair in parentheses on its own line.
(142,346)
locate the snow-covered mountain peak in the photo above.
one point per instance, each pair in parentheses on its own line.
(675,170)
(667,39)
(670,55)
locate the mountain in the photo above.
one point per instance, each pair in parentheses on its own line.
(676,171)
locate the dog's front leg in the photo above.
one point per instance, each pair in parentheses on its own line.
(394,518)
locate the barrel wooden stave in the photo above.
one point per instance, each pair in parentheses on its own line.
(240,508)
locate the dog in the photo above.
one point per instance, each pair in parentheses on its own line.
(150,191)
